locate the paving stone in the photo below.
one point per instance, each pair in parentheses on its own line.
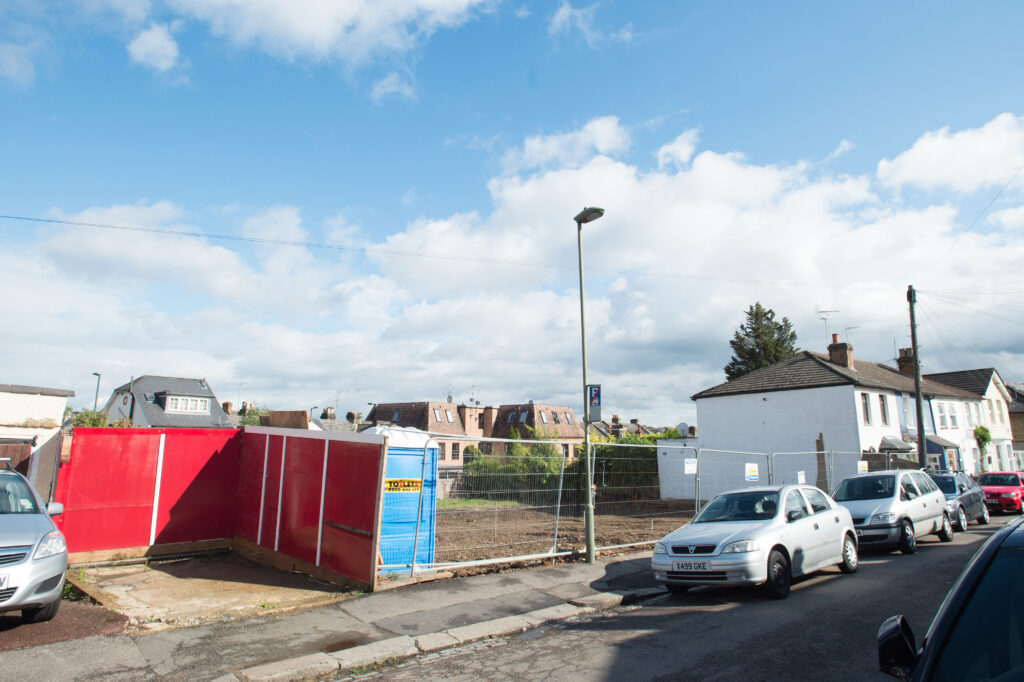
(490,628)
(435,641)
(376,652)
(560,612)
(601,600)
(297,668)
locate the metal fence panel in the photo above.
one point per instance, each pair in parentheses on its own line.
(791,468)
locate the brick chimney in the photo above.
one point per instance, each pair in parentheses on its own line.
(905,361)
(228,406)
(328,413)
(351,417)
(840,353)
(615,420)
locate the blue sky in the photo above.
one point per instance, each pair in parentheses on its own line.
(431,153)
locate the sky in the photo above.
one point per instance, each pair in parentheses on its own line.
(344,203)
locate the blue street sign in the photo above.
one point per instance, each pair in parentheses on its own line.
(594,395)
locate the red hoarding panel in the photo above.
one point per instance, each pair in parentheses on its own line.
(350,508)
(110,481)
(198,483)
(250,484)
(300,508)
(271,492)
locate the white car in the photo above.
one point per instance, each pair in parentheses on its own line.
(891,509)
(758,536)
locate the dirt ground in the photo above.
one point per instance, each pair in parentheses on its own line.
(473,534)
(191,591)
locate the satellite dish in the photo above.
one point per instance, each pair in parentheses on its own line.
(683,428)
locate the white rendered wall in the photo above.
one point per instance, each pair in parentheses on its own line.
(782,421)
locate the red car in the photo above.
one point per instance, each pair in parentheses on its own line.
(1003,491)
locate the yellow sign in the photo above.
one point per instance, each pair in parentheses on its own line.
(402,485)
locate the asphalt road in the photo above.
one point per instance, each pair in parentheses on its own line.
(825,630)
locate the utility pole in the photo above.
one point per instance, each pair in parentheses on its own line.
(922,456)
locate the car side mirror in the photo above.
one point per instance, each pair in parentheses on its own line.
(794,514)
(962,488)
(55,509)
(897,650)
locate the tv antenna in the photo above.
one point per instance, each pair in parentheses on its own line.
(846,330)
(823,315)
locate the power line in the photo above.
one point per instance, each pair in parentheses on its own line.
(423,254)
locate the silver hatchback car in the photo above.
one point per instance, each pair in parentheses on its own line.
(33,554)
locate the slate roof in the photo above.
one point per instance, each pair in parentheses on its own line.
(420,415)
(808,369)
(556,416)
(1017,393)
(149,391)
(974,381)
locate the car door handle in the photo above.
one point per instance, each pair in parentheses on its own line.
(836,518)
(815,526)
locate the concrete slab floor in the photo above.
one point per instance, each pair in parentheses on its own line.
(176,592)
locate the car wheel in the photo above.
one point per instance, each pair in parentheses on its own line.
(41,614)
(961,519)
(850,559)
(985,516)
(779,576)
(1020,508)
(908,543)
(677,589)
(946,531)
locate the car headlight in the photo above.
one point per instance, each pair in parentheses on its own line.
(660,548)
(884,517)
(51,544)
(1010,494)
(741,546)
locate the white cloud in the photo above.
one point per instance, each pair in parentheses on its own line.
(350,32)
(567,19)
(679,255)
(154,47)
(393,84)
(843,147)
(679,150)
(964,161)
(603,135)
(17,63)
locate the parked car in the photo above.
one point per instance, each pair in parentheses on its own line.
(33,555)
(1004,491)
(757,536)
(977,633)
(891,509)
(965,500)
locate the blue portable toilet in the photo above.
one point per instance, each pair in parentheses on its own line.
(410,491)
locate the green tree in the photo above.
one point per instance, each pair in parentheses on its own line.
(252,415)
(760,341)
(983,436)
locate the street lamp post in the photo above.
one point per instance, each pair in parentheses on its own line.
(585,216)
(96,398)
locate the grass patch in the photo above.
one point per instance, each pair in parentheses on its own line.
(476,503)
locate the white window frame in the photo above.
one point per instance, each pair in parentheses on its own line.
(451,419)
(941,407)
(186,405)
(953,423)
(437,415)
(544,416)
(883,407)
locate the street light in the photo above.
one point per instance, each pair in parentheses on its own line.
(96,399)
(585,216)
(311,411)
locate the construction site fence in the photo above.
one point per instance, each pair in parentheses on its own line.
(511,500)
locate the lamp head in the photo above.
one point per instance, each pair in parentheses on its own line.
(589,214)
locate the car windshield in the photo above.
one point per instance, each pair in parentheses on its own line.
(16,497)
(946,483)
(743,506)
(865,488)
(999,479)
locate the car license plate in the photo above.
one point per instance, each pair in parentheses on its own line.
(693,565)
(3,581)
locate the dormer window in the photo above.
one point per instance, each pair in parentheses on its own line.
(182,405)
(396,415)
(522,417)
(544,416)
(451,419)
(437,415)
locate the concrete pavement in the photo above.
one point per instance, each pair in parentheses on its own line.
(356,633)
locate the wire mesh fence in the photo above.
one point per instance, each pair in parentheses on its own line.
(516,499)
